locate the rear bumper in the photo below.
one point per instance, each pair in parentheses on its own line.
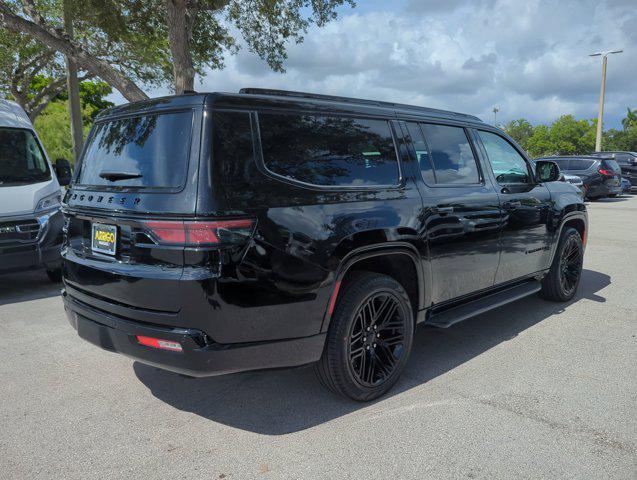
(200,356)
(602,190)
(44,252)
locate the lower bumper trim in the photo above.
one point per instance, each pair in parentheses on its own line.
(196,359)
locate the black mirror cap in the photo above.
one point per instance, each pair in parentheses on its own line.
(546,171)
(63,171)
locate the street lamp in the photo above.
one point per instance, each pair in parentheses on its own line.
(598,138)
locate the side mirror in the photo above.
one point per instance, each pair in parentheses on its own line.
(546,171)
(63,171)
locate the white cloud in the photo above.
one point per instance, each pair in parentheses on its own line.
(528,57)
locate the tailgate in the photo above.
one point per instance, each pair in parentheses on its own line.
(138,273)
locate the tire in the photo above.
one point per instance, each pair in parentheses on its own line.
(560,284)
(357,361)
(55,275)
(613,195)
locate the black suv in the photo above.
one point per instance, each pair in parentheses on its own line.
(601,176)
(627,162)
(217,233)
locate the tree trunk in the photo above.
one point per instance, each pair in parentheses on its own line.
(75,108)
(84,59)
(180,23)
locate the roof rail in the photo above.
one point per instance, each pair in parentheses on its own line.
(358,101)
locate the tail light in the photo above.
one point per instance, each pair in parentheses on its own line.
(607,173)
(200,233)
(159,343)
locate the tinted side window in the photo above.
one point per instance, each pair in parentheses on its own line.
(451,154)
(622,158)
(329,151)
(580,164)
(232,152)
(422,152)
(507,164)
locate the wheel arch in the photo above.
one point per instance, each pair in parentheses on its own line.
(375,258)
(576,219)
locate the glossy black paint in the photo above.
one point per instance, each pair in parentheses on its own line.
(275,288)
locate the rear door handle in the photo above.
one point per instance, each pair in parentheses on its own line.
(512,205)
(443,210)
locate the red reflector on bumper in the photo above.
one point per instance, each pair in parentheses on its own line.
(158,343)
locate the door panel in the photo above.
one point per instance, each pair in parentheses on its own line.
(525,238)
(459,223)
(463,237)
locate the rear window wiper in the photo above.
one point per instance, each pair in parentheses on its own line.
(114,176)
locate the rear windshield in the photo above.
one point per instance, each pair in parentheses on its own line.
(143,151)
(611,165)
(21,158)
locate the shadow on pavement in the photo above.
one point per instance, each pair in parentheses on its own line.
(277,402)
(25,286)
(610,199)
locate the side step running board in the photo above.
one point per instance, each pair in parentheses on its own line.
(446,318)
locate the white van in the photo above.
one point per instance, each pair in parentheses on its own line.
(30,197)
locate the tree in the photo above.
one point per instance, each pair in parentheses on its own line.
(626,138)
(630,120)
(565,136)
(53,124)
(198,35)
(120,60)
(125,42)
(519,130)
(30,74)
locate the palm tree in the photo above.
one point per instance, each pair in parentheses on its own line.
(631,119)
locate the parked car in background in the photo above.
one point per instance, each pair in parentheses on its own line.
(627,162)
(601,176)
(575,181)
(572,179)
(30,195)
(218,233)
(626,186)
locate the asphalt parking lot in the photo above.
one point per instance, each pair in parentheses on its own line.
(532,390)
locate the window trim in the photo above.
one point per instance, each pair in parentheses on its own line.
(194,129)
(261,164)
(474,151)
(529,168)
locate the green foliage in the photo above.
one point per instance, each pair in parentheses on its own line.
(54,124)
(565,136)
(92,98)
(519,130)
(622,140)
(54,129)
(630,120)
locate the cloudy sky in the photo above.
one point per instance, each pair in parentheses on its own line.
(528,57)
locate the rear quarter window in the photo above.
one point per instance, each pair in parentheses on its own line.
(155,148)
(611,165)
(580,164)
(329,150)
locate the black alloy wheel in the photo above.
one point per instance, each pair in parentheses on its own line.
(561,283)
(570,265)
(376,340)
(369,338)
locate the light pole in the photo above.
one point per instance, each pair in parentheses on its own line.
(600,117)
(495,116)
